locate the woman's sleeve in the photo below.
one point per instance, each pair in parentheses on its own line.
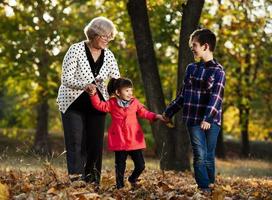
(100,105)
(69,67)
(114,70)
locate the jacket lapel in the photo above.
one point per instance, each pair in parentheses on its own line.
(85,61)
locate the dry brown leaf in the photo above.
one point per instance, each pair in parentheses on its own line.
(165,187)
(26,187)
(154,185)
(227,188)
(52,190)
(218,194)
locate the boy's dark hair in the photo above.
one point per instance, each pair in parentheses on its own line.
(204,36)
(118,84)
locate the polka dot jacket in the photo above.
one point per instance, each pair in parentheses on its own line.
(77,73)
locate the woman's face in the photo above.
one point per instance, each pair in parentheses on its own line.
(102,41)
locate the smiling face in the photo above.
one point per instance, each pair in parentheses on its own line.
(198,50)
(101,41)
(125,93)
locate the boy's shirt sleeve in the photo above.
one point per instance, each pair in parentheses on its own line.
(215,102)
(100,105)
(177,104)
(144,113)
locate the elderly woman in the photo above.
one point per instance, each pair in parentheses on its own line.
(86,64)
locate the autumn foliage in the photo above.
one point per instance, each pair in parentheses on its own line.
(51,183)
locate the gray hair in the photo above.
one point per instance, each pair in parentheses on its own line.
(100,26)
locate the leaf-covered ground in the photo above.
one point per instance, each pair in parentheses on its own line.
(53,183)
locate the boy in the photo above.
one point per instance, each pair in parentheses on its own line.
(201,99)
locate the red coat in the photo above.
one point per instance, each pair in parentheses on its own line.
(125,132)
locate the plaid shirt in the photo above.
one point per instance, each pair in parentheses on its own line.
(202,94)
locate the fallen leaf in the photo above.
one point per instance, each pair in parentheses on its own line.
(52,191)
(4,192)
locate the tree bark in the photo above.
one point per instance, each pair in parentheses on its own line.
(190,20)
(220,146)
(244,107)
(137,11)
(41,142)
(244,121)
(173,144)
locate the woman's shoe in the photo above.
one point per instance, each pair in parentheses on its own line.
(75,177)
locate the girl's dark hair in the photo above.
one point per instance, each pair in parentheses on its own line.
(118,84)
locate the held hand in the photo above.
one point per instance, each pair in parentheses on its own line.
(205,125)
(92,92)
(90,89)
(166,120)
(160,117)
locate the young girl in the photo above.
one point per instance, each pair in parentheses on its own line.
(125,135)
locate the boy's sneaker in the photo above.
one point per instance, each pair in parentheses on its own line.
(206,191)
(211,186)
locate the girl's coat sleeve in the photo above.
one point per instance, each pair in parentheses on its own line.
(144,113)
(103,106)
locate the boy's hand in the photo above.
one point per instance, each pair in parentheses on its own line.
(205,125)
(167,121)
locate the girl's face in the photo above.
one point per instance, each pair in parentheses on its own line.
(125,93)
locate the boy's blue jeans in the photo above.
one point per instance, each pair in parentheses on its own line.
(203,145)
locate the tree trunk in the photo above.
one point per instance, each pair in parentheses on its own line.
(220,147)
(244,121)
(190,20)
(41,143)
(137,11)
(173,144)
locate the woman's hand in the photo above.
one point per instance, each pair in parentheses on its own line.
(90,89)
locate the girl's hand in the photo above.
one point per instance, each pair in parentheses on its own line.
(166,119)
(168,122)
(160,117)
(90,89)
(92,92)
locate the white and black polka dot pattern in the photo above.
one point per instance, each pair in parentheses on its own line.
(77,73)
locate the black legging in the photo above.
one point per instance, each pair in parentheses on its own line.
(84,133)
(120,166)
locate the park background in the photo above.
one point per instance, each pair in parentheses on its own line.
(151,48)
